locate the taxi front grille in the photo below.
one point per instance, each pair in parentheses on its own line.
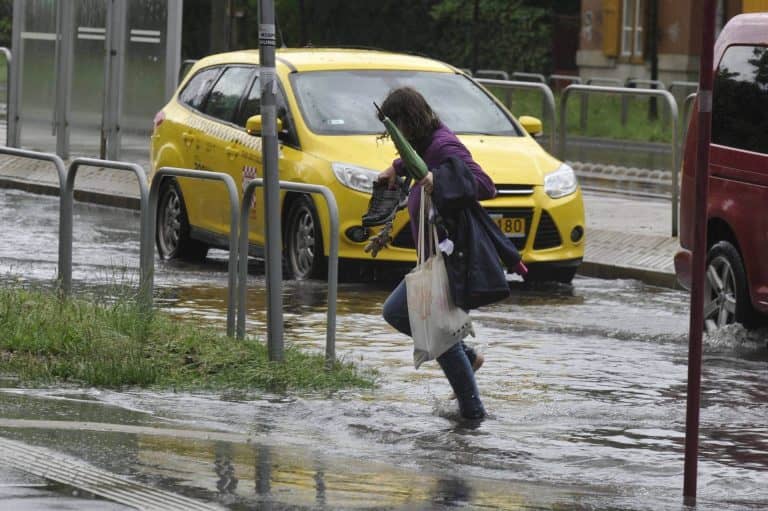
(514,190)
(547,235)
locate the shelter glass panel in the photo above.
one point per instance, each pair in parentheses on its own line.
(88,76)
(38,77)
(144,77)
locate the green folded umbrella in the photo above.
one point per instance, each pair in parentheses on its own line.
(414,165)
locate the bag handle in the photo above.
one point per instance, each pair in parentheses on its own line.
(423,252)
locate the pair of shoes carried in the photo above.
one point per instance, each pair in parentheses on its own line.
(385,202)
(476,365)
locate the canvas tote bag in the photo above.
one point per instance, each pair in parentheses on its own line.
(436,323)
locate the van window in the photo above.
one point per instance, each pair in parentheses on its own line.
(225,95)
(740,99)
(197,88)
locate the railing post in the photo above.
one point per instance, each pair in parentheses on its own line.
(62,175)
(625,91)
(333,259)
(154,192)
(11,100)
(548,100)
(145,243)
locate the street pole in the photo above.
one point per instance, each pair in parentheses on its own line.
(704,101)
(274,253)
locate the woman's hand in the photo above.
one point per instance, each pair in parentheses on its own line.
(389,176)
(427,182)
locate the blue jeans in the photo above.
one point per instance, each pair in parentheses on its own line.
(456,362)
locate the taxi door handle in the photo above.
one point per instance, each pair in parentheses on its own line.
(232,151)
(188,138)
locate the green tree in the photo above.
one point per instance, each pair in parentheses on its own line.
(511,35)
(514,35)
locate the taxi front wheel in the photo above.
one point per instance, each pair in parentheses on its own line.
(304,240)
(172,227)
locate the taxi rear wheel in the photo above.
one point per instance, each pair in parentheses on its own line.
(304,240)
(172,227)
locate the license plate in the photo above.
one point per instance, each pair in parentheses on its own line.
(512,227)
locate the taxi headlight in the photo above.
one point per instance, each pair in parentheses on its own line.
(357,178)
(561,182)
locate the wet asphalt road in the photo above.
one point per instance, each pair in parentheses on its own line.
(585,385)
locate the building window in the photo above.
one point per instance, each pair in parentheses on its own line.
(632,29)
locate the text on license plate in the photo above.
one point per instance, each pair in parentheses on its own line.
(512,227)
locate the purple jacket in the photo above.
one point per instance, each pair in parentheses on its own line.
(444,145)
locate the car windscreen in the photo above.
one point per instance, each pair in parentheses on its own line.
(341,102)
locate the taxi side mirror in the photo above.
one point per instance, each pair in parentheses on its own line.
(532,125)
(253,125)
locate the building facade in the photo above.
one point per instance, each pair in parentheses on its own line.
(614,37)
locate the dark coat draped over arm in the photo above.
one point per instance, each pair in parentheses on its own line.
(475,270)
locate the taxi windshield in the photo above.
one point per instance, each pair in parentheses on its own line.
(341,102)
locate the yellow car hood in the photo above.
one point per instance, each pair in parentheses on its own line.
(508,160)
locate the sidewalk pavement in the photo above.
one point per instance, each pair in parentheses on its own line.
(627,237)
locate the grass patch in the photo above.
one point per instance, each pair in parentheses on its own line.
(113,343)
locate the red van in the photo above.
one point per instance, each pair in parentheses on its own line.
(737,209)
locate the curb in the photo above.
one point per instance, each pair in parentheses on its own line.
(650,277)
(102,199)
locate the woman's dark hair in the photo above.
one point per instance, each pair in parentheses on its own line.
(408,109)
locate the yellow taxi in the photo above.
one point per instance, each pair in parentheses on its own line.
(329,135)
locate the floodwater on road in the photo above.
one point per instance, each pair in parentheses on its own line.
(585,386)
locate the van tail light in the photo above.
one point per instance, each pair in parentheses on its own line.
(159,118)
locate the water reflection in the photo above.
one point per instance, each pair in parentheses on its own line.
(225,470)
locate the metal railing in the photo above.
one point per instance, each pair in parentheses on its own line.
(65,235)
(492,73)
(682,85)
(594,80)
(626,91)
(548,100)
(154,192)
(333,262)
(646,84)
(597,80)
(11,114)
(573,79)
(535,77)
(649,84)
(62,174)
(569,78)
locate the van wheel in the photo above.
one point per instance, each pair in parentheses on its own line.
(304,240)
(726,294)
(172,227)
